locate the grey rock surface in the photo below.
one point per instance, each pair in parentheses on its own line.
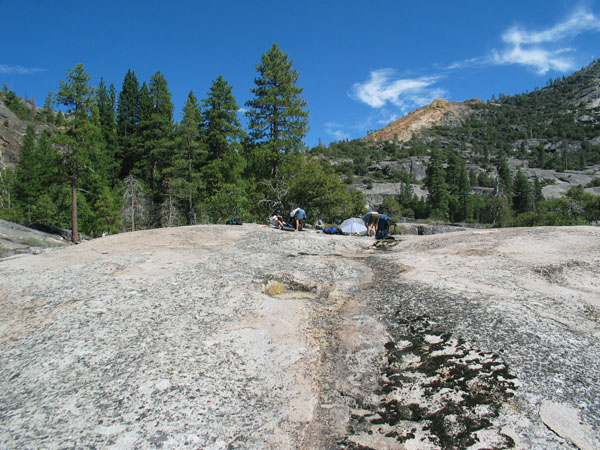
(17,239)
(223,337)
(377,192)
(12,130)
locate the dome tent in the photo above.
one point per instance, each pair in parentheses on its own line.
(353,225)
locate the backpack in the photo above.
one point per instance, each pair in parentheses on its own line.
(332,230)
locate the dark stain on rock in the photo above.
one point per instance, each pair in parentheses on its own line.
(461,390)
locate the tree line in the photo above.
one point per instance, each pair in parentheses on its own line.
(511,198)
(119,162)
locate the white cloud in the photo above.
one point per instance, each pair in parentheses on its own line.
(539,50)
(541,60)
(579,22)
(471,62)
(370,122)
(337,131)
(387,119)
(19,70)
(384,87)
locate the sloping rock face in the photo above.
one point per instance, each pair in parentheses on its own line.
(561,182)
(377,192)
(439,112)
(12,131)
(17,239)
(247,337)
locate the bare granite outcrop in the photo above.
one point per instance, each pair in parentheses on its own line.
(222,337)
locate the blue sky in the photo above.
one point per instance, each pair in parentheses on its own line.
(362,64)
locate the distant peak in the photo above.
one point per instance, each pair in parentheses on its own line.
(440,111)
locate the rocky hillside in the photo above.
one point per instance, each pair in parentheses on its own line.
(575,98)
(551,135)
(248,337)
(12,130)
(439,112)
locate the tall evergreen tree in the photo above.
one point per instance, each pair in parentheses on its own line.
(465,205)
(51,176)
(278,120)
(81,134)
(187,158)
(156,126)
(47,110)
(145,110)
(538,194)
(453,170)
(504,176)
(105,101)
(522,195)
(7,209)
(223,132)
(435,181)
(128,115)
(27,183)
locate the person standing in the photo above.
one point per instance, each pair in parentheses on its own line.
(371,219)
(298,215)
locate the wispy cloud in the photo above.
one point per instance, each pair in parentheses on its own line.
(337,130)
(542,50)
(467,63)
(384,86)
(19,70)
(545,50)
(373,121)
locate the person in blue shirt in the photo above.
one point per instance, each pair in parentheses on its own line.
(298,215)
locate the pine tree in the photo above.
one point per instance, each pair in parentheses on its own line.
(128,111)
(222,133)
(142,165)
(188,156)
(6,197)
(108,219)
(453,170)
(435,181)
(47,110)
(504,176)
(277,117)
(27,183)
(522,195)
(105,102)
(538,194)
(59,120)
(157,134)
(465,204)
(51,177)
(81,134)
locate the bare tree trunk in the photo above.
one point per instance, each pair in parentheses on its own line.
(132,212)
(565,152)
(74,233)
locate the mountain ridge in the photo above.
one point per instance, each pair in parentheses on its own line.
(438,112)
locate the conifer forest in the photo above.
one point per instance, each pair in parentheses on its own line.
(111,159)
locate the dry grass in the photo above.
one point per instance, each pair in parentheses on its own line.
(275,288)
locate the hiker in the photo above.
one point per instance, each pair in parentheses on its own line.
(371,219)
(383,227)
(276,221)
(298,215)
